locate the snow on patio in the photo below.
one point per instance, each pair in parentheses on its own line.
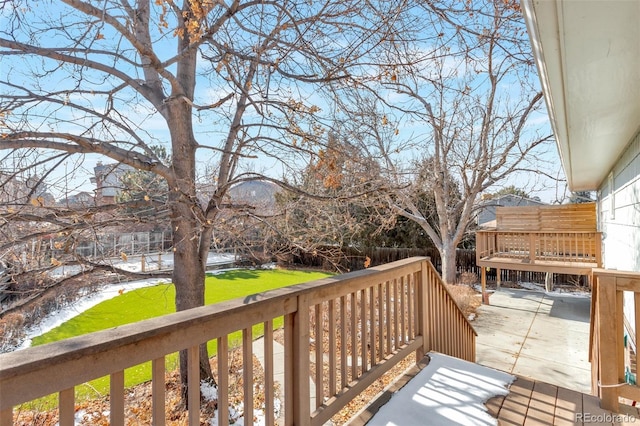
(448,391)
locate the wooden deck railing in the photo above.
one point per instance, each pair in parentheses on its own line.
(611,355)
(538,246)
(356,325)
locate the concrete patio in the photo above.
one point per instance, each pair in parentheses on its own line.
(536,335)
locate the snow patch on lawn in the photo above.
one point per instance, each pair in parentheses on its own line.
(109,291)
(133,263)
(59,317)
(448,391)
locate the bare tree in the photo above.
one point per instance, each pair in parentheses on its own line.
(327,207)
(463,98)
(226,83)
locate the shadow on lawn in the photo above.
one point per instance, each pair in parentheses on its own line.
(240,274)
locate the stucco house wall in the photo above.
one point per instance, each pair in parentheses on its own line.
(619,211)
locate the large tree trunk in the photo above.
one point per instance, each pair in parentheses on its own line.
(188,278)
(449,269)
(189,267)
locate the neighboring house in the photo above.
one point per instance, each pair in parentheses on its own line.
(588,57)
(81,199)
(486,217)
(261,195)
(15,191)
(107,180)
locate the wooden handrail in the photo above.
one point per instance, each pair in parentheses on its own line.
(609,350)
(380,315)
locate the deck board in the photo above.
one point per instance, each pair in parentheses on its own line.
(591,405)
(515,406)
(542,405)
(531,402)
(494,405)
(568,403)
(534,403)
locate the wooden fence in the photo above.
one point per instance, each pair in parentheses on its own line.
(358,325)
(354,260)
(565,217)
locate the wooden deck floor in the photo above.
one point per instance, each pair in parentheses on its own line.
(530,403)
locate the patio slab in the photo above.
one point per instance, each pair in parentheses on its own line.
(542,336)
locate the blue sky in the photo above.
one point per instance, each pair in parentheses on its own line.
(209,128)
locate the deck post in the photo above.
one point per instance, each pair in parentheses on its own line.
(423,313)
(483,282)
(301,394)
(607,338)
(498,277)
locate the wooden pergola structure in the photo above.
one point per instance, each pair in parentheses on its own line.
(556,239)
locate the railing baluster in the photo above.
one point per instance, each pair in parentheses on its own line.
(223,380)
(439,310)
(458,324)
(457,321)
(396,318)
(247,374)
(289,366)
(354,337)
(319,356)
(66,404)
(403,311)
(388,316)
(372,325)
(116,398)
(269,397)
(410,311)
(332,347)
(416,301)
(440,316)
(364,330)
(343,342)
(157,391)
(447,307)
(193,380)
(451,346)
(587,248)
(380,321)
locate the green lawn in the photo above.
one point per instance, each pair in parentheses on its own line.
(159,300)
